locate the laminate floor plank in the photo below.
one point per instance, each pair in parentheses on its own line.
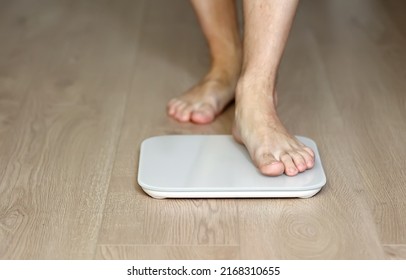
(367,75)
(58,150)
(336,223)
(172,44)
(150,252)
(83,83)
(395,252)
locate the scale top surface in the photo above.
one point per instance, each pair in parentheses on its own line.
(214,163)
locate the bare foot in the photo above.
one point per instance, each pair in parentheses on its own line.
(203,102)
(257,126)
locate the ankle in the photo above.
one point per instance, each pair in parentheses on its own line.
(227,52)
(227,64)
(224,73)
(254,86)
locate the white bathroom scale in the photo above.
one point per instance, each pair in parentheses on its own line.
(215,166)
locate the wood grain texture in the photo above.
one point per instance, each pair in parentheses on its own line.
(169,48)
(58,147)
(395,252)
(365,69)
(124,252)
(83,83)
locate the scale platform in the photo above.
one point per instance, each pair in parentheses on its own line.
(215,166)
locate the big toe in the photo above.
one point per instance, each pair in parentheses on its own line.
(272,169)
(204,114)
(269,166)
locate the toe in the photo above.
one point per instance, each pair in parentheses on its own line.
(172,106)
(204,114)
(309,159)
(290,167)
(180,111)
(202,117)
(309,151)
(273,169)
(185,115)
(171,109)
(299,161)
(268,165)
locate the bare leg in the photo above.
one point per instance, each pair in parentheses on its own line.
(257,126)
(203,102)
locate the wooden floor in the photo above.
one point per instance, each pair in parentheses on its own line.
(82,83)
